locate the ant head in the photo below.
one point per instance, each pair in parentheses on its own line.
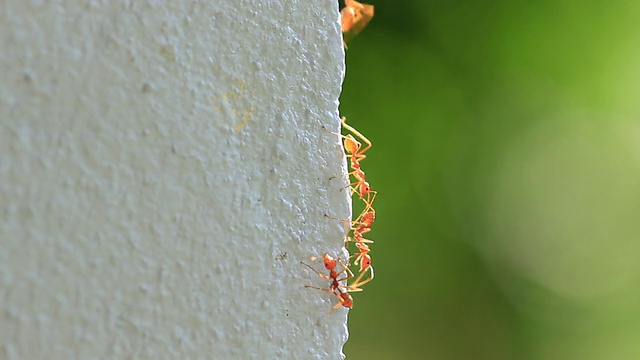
(365,263)
(351,145)
(364,188)
(329,262)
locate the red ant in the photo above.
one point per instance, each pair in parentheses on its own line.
(354,17)
(340,291)
(344,298)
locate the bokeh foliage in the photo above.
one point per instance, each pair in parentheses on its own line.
(507,159)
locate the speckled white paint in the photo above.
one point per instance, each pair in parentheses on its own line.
(163,171)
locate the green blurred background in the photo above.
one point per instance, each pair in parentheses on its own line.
(507,159)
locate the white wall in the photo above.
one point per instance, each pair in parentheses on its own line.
(163,171)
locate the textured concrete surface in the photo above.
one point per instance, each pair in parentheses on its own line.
(163,171)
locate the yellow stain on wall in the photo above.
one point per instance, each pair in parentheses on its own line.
(233,99)
(167,52)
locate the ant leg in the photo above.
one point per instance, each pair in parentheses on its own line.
(352,186)
(331,132)
(358,282)
(325,277)
(341,300)
(346,268)
(369,203)
(358,257)
(361,240)
(335,218)
(364,241)
(358,237)
(344,137)
(318,288)
(368,208)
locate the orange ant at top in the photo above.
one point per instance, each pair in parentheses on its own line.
(354,17)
